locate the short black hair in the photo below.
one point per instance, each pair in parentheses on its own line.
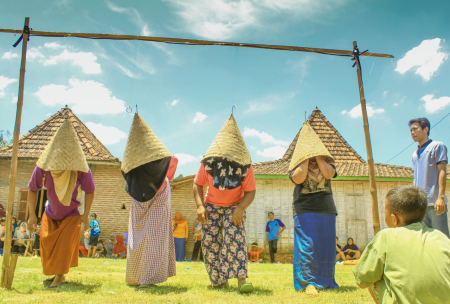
(254,244)
(270,213)
(337,238)
(350,239)
(94,215)
(422,122)
(100,242)
(410,202)
(2,220)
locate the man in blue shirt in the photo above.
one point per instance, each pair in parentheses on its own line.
(94,228)
(429,164)
(273,234)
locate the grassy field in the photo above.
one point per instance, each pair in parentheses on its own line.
(96,282)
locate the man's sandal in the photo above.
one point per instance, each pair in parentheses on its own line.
(246,288)
(50,281)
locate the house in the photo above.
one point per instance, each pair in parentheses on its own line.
(111,202)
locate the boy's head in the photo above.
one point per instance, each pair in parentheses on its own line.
(404,205)
(2,221)
(93,216)
(254,246)
(271,215)
(419,128)
(100,244)
(14,220)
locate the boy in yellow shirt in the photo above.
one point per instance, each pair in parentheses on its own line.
(406,263)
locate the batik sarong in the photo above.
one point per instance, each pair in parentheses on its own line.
(314,250)
(59,244)
(151,250)
(224,246)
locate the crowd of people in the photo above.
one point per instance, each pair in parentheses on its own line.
(409,262)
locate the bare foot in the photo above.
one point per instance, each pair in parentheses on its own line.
(58,280)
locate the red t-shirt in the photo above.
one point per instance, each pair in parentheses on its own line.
(254,255)
(224,197)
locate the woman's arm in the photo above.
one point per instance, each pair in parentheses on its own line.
(202,213)
(327,170)
(301,172)
(238,214)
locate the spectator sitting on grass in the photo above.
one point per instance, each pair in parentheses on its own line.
(119,251)
(101,250)
(339,254)
(110,243)
(254,253)
(20,234)
(351,250)
(406,263)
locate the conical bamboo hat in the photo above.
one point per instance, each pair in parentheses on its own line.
(229,143)
(308,145)
(64,152)
(143,146)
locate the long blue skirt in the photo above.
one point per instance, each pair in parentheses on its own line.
(180,249)
(314,250)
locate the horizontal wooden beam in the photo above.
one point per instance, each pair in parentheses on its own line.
(196,42)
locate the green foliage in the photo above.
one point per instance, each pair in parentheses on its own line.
(93,281)
(5,138)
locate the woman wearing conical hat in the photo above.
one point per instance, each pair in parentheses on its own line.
(63,170)
(311,169)
(227,170)
(148,167)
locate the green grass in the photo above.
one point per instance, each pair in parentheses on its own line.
(95,282)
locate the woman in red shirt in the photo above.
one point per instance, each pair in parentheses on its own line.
(226,168)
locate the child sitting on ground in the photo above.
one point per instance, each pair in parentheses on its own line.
(406,263)
(351,250)
(101,250)
(255,251)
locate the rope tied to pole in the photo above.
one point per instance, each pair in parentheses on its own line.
(26,30)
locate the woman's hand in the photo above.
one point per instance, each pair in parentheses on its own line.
(202,214)
(238,216)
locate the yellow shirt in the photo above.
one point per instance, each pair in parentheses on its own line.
(181,230)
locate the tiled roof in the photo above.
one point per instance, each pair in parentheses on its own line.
(280,167)
(348,162)
(33,144)
(178,182)
(335,143)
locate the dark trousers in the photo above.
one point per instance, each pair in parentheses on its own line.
(273,249)
(197,249)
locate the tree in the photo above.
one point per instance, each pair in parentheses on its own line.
(5,138)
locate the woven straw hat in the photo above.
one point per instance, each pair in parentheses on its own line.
(143,146)
(308,145)
(64,152)
(229,143)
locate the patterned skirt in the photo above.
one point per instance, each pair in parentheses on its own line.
(151,250)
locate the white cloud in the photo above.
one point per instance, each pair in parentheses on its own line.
(184,159)
(425,59)
(301,66)
(9,55)
(53,45)
(107,135)
(14,99)
(385,93)
(174,103)
(215,19)
(268,103)
(87,61)
(199,117)
(434,105)
(223,19)
(264,137)
(276,152)
(395,104)
(85,97)
(133,15)
(34,53)
(4,82)
(356,111)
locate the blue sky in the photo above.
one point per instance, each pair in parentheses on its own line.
(185,93)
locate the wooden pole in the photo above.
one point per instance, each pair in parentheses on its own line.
(41,200)
(373,185)
(7,275)
(196,42)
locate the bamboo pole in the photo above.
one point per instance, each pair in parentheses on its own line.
(373,185)
(196,42)
(7,276)
(12,270)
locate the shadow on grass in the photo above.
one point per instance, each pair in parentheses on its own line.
(75,287)
(258,290)
(343,289)
(162,290)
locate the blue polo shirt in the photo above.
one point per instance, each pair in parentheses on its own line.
(95,228)
(273,228)
(424,165)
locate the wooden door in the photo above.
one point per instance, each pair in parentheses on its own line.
(22,210)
